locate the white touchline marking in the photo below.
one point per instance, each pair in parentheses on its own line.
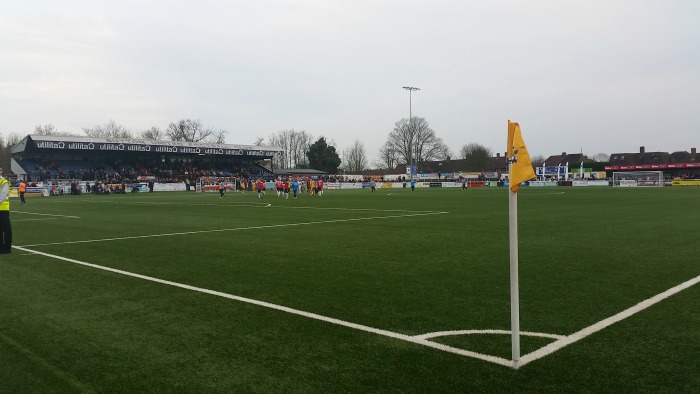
(257,205)
(472,332)
(543,194)
(356,209)
(237,229)
(577,336)
(310,315)
(46,214)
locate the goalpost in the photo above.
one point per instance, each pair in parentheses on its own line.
(211,184)
(638,178)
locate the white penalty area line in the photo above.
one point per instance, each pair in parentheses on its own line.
(408,338)
(237,229)
(577,336)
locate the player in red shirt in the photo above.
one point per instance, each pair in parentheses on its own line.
(319,187)
(286,189)
(261,188)
(280,187)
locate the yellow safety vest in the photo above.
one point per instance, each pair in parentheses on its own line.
(5,205)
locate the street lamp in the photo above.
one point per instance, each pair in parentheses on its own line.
(410,89)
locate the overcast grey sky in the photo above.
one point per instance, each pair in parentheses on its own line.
(598,76)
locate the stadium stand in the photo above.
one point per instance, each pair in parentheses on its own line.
(48,158)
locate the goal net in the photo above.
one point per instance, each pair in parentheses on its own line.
(638,178)
(211,184)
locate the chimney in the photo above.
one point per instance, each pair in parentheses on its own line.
(498,154)
(641,149)
(563,153)
(693,151)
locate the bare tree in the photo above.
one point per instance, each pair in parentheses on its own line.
(355,158)
(294,146)
(414,140)
(601,157)
(300,145)
(188,130)
(219,136)
(13,139)
(109,130)
(6,145)
(478,156)
(154,133)
(443,154)
(280,140)
(537,160)
(388,156)
(49,129)
(259,141)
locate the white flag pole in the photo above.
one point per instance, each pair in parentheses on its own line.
(514,291)
(544,170)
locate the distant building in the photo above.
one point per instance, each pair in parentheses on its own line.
(300,173)
(678,164)
(561,160)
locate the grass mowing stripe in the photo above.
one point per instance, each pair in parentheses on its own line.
(554,346)
(386,333)
(54,370)
(237,229)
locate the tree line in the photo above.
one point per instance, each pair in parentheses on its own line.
(183,130)
(410,141)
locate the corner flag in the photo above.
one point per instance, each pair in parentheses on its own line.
(520,170)
(521,167)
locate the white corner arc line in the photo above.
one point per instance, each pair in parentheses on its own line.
(488,331)
(577,336)
(360,327)
(237,229)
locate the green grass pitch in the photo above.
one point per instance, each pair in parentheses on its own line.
(138,292)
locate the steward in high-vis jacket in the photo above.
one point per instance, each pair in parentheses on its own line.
(5,227)
(22,190)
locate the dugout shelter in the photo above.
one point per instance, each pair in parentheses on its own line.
(50,157)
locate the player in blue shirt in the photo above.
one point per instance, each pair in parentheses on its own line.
(295,188)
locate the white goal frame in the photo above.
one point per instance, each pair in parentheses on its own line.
(638,178)
(211,184)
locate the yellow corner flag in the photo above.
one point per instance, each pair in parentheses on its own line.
(521,167)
